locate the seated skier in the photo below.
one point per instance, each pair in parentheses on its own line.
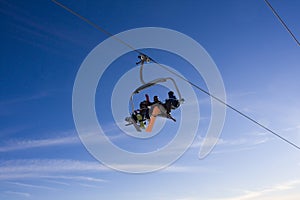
(171,103)
(155,100)
(142,114)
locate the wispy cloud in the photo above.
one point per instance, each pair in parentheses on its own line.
(7,105)
(76,178)
(28,144)
(51,174)
(90,186)
(33,26)
(266,193)
(231,142)
(175,168)
(12,130)
(226,145)
(235,98)
(22,194)
(68,137)
(58,182)
(66,171)
(292,131)
(26,98)
(31,186)
(239,95)
(48,168)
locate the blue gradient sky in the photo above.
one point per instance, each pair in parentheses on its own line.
(43,46)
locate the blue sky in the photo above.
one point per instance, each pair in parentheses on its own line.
(43,46)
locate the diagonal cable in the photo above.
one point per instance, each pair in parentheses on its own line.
(282,22)
(178,75)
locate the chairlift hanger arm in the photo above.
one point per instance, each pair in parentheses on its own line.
(144,59)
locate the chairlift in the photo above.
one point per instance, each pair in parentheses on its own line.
(149,111)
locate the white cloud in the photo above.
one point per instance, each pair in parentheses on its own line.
(243,94)
(31,186)
(266,193)
(56,172)
(23,194)
(242,141)
(28,144)
(71,170)
(36,96)
(90,186)
(186,169)
(248,142)
(75,178)
(58,182)
(292,128)
(50,174)
(12,130)
(37,168)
